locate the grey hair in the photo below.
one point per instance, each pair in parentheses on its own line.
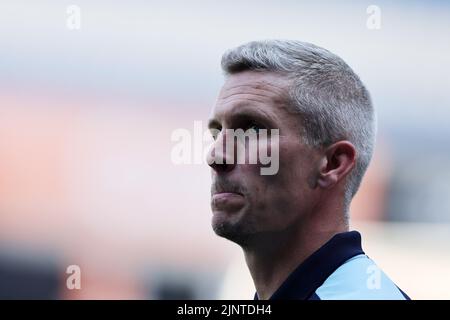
(331,100)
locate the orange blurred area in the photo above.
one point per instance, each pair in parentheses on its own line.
(97,189)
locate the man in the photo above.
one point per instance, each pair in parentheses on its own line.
(293,225)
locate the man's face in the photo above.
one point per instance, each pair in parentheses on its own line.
(246,204)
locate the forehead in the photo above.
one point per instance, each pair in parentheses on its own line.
(263,91)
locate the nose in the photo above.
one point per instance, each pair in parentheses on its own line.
(220,156)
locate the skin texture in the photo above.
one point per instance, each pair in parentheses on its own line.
(278,220)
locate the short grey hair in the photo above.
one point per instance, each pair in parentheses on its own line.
(331,100)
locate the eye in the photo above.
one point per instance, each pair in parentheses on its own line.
(254,126)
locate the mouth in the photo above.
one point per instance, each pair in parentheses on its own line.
(228,201)
(226,194)
(227,197)
(226,190)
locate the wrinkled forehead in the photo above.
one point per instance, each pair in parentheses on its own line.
(266,84)
(264,90)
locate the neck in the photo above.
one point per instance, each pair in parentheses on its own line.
(273,257)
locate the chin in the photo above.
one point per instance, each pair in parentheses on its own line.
(236,232)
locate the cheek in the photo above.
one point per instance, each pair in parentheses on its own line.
(294,182)
(288,190)
(293,167)
(271,194)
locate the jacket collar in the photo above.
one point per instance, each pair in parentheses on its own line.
(312,272)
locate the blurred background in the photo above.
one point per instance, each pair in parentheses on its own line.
(90,95)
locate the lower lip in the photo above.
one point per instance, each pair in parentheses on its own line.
(227,201)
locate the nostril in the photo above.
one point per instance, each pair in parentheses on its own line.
(220,163)
(222,167)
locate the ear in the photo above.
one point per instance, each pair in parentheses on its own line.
(337,161)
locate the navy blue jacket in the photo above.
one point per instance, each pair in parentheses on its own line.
(339,270)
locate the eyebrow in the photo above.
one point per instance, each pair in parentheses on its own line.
(248,112)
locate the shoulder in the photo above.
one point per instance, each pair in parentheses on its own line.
(359,278)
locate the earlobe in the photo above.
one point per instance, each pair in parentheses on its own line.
(323,178)
(327,180)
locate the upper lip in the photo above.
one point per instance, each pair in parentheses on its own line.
(219,188)
(219,192)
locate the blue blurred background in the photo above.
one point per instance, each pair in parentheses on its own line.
(86,116)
